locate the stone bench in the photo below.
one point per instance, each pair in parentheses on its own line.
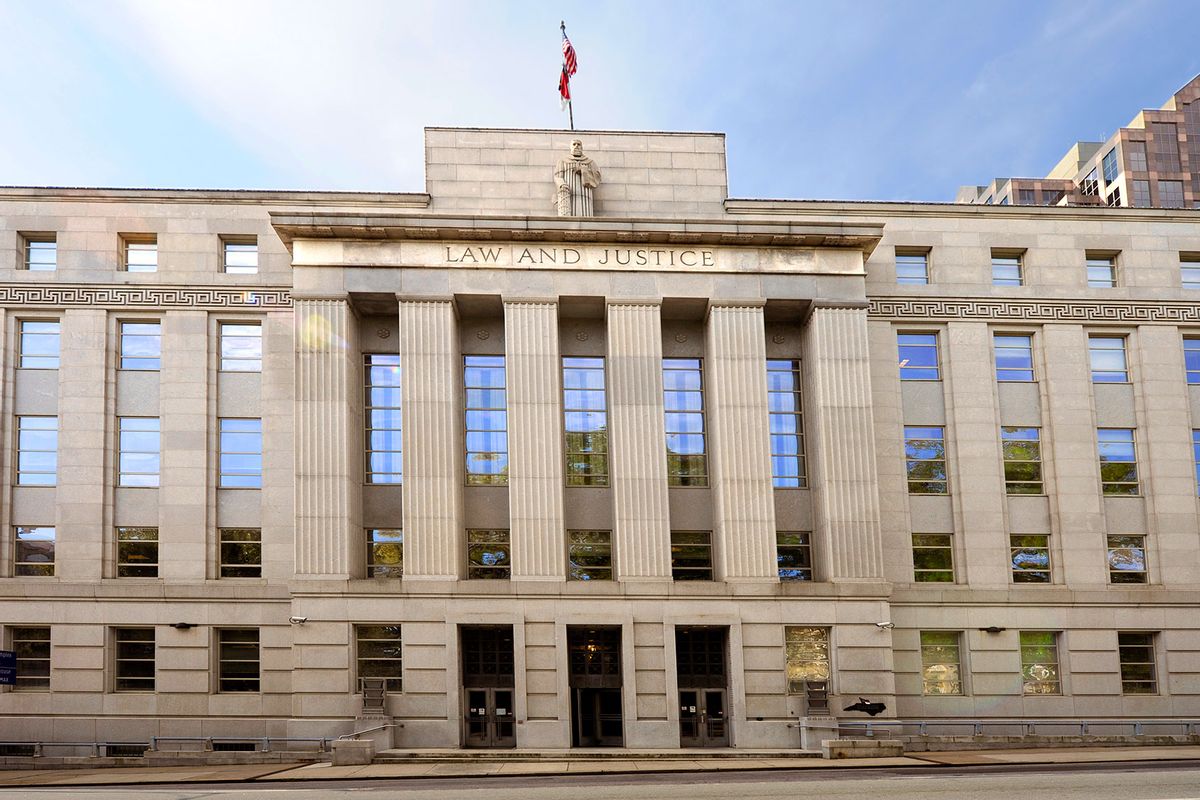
(861,748)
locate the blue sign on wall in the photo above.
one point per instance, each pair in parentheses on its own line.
(8,668)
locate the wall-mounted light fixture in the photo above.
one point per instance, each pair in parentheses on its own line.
(182,626)
(993,629)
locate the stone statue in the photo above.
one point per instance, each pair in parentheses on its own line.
(575,178)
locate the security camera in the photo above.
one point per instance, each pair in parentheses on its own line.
(297,620)
(885,626)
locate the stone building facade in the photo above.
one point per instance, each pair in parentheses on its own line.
(654,477)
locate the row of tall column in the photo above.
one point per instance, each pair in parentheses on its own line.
(838,414)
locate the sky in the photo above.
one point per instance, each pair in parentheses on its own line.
(900,100)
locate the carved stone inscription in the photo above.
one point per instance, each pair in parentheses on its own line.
(608,257)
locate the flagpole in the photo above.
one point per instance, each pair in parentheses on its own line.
(562,24)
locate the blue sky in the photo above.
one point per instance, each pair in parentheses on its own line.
(867,100)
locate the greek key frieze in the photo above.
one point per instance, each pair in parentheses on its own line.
(1121,311)
(205,297)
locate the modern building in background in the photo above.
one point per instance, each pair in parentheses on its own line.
(681,472)
(1152,163)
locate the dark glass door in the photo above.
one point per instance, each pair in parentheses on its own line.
(489,719)
(702,721)
(700,666)
(595,679)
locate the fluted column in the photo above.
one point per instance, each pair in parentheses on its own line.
(328,442)
(743,495)
(842,434)
(430,381)
(641,516)
(535,447)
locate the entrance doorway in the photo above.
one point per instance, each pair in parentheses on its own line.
(489,719)
(594,663)
(700,659)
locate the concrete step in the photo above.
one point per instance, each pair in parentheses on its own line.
(428,755)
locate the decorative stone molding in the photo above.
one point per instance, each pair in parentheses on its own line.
(1121,311)
(75,295)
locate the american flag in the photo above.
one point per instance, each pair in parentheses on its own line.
(570,67)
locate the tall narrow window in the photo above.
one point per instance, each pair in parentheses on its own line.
(1101,272)
(241,347)
(1014,356)
(1141,194)
(241,553)
(133,666)
(1007,270)
(31,646)
(41,252)
(141,252)
(933,557)
(1039,663)
(793,554)
(489,555)
(137,552)
(1191,358)
(691,556)
(1126,558)
(237,660)
(385,553)
(1030,556)
(37,451)
(34,557)
(1135,152)
(1170,194)
(589,556)
(1107,356)
(380,655)
(925,454)
(1118,460)
(1111,166)
(383,414)
(1196,456)
(1022,449)
(239,255)
(807,652)
(918,356)
(241,453)
(1189,270)
(486,420)
(1164,146)
(683,397)
(941,663)
(1139,673)
(139,456)
(39,344)
(585,421)
(912,267)
(141,346)
(788,467)
(1090,185)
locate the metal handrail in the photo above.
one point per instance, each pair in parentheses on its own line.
(345,737)
(1191,727)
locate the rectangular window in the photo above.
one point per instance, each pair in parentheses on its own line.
(380,655)
(241,553)
(807,651)
(1139,673)
(139,451)
(133,665)
(1141,194)
(1101,272)
(1090,185)
(141,252)
(385,553)
(1014,356)
(241,347)
(1135,152)
(1114,197)
(1007,271)
(489,555)
(1022,450)
(37,451)
(141,346)
(683,398)
(1110,166)
(237,660)
(137,552)
(1196,456)
(933,557)
(1030,554)
(1026,197)
(1118,460)
(788,467)
(239,255)
(32,649)
(1164,146)
(793,554)
(1039,663)
(918,356)
(941,663)
(691,556)
(241,453)
(925,454)
(34,551)
(1052,197)
(1126,558)
(912,267)
(1170,194)
(589,556)
(41,252)
(486,420)
(1189,271)
(383,415)
(585,421)
(1191,358)
(39,343)
(1107,356)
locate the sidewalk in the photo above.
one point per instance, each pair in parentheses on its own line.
(581,766)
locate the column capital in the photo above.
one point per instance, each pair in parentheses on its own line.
(633,301)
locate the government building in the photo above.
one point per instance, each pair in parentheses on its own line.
(572,449)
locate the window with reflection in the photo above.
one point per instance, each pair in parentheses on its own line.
(918,356)
(385,553)
(1029,554)
(1126,558)
(933,557)
(807,652)
(585,421)
(1107,357)
(1022,451)
(1101,272)
(1007,270)
(489,555)
(1118,460)
(1039,663)
(925,459)
(788,467)
(1191,358)
(139,454)
(1014,356)
(691,556)
(40,340)
(382,416)
(941,663)
(34,556)
(241,553)
(589,556)
(1136,653)
(486,420)
(380,655)
(683,399)
(793,554)
(241,453)
(37,451)
(239,255)
(912,267)
(241,347)
(137,552)
(141,346)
